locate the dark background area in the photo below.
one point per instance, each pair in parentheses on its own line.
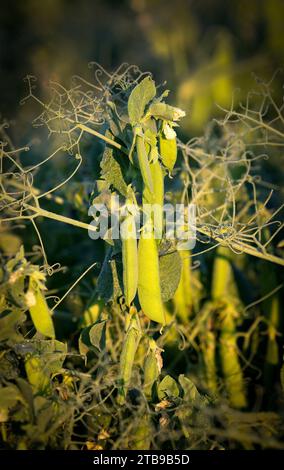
(204,49)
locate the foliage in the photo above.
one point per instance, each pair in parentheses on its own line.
(90,368)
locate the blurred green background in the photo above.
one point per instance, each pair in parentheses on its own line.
(205,49)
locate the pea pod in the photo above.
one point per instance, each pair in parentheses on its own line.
(40,312)
(168,151)
(129,258)
(149,289)
(208,346)
(183,296)
(143,160)
(156,198)
(129,349)
(222,285)
(209,357)
(230,361)
(222,274)
(272,311)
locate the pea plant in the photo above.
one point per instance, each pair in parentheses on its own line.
(104,385)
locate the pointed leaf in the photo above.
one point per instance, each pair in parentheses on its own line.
(9,396)
(166,112)
(170,272)
(168,388)
(45,359)
(190,391)
(140,96)
(112,172)
(92,338)
(97,335)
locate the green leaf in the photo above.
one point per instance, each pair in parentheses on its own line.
(44,412)
(189,389)
(18,259)
(141,436)
(9,321)
(46,358)
(168,152)
(27,392)
(140,96)
(40,312)
(9,396)
(168,388)
(97,335)
(38,377)
(116,124)
(54,353)
(165,112)
(93,338)
(150,125)
(170,272)
(112,172)
(104,286)
(191,394)
(110,280)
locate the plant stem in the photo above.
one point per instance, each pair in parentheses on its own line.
(89,130)
(243,248)
(61,218)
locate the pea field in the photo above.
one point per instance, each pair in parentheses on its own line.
(170,338)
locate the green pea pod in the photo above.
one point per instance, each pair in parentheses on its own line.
(272,311)
(156,198)
(143,160)
(230,361)
(208,346)
(129,258)
(222,285)
(168,151)
(129,349)
(183,300)
(209,357)
(149,289)
(222,274)
(40,313)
